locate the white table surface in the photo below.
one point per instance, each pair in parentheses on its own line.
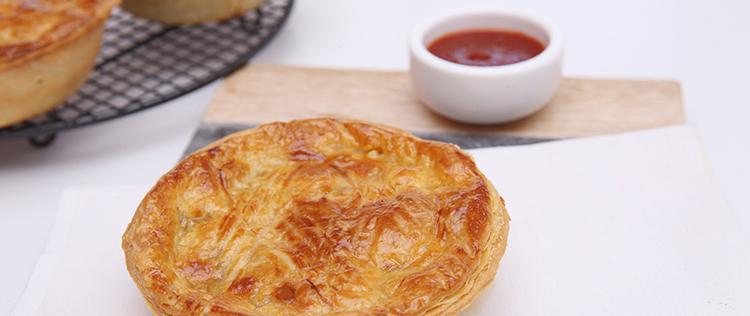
(702,44)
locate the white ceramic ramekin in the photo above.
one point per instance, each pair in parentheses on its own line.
(490,94)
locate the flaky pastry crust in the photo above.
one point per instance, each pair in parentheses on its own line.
(189,11)
(47,50)
(318,217)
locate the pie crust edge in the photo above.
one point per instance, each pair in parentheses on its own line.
(451,305)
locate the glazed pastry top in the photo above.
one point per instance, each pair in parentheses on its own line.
(317,217)
(30,27)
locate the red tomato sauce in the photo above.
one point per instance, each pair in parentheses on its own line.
(486,47)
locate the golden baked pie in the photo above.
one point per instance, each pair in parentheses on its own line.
(318,217)
(189,11)
(47,50)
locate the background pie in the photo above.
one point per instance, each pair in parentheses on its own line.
(47,50)
(189,11)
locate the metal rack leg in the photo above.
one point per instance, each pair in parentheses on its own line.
(42,140)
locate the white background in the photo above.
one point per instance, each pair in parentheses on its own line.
(702,44)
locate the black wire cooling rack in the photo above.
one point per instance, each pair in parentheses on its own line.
(143,63)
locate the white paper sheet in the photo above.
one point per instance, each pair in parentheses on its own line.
(629,224)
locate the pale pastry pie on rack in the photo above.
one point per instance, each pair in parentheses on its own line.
(47,50)
(189,11)
(318,217)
